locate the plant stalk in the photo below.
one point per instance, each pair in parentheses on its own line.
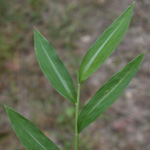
(76,117)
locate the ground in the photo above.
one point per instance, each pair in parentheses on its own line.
(72,27)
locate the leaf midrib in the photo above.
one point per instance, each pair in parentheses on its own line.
(90,112)
(38,142)
(55,69)
(101,47)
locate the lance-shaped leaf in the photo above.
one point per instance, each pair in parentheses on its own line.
(108,93)
(53,68)
(30,136)
(105,45)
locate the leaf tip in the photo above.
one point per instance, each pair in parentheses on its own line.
(130,8)
(36,30)
(142,55)
(8,109)
(139,58)
(132,5)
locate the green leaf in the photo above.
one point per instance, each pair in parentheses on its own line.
(105,45)
(108,93)
(53,68)
(30,136)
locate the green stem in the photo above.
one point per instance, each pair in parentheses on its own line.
(76,117)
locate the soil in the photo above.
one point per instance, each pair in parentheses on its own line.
(72,27)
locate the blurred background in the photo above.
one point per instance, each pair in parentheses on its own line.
(72,26)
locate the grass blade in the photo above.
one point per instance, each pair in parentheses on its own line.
(31,137)
(53,68)
(105,45)
(108,93)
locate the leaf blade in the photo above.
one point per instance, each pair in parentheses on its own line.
(53,68)
(108,93)
(105,45)
(30,136)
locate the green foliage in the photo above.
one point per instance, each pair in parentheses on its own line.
(105,45)
(31,137)
(59,77)
(53,68)
(108,93)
